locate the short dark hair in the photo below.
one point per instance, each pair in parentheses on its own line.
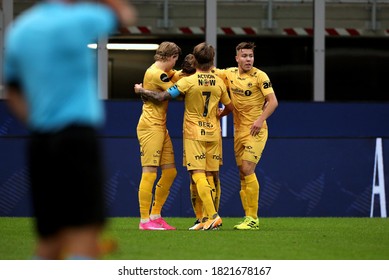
(245,45)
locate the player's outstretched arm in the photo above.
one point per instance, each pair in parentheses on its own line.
(152,95)
(126,12)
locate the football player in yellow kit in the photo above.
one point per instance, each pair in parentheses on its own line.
(155,144)
(254,100)
(188,68)
(203,91)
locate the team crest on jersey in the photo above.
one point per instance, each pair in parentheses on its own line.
(249,84)
(164,78)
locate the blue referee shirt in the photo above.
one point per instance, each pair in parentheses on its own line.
(46,54)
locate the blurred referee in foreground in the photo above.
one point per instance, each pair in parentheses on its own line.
(51,85)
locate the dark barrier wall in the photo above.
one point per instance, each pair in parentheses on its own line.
(319,161)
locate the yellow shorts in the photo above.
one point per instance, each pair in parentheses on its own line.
(156,148)
(248,147)
(202,155)
(220,154)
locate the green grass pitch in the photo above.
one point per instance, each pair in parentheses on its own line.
(277,239)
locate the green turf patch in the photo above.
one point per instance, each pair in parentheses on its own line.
(277,239)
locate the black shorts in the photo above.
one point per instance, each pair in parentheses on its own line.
(66,177)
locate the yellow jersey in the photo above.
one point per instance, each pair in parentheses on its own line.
(153,115)
(247,92)
(203,91)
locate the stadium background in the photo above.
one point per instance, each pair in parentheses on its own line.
(320,157)
(319,162)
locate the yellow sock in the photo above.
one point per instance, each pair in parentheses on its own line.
(218,194)
(162,190)
(145,194)
(252,193)
(213,187)
(205,192)
(243,197)
(197,204)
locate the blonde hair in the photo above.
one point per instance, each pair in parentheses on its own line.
(166,50)
(204,54)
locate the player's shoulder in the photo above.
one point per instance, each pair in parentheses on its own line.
(153,69)
(257,70)
(218,79)
(191,79)
(226,70)
(16,32)
(156,74)
(216,71)
(257,73)
(25,19)
(231,71)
